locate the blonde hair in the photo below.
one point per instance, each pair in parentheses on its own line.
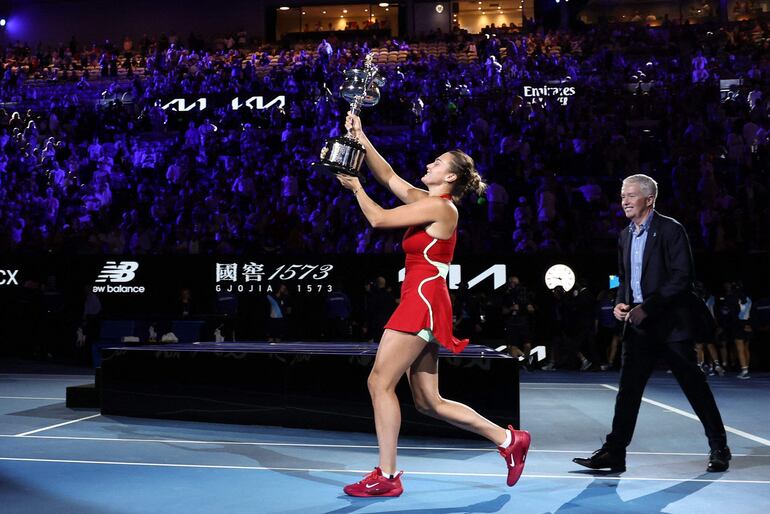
(468,178)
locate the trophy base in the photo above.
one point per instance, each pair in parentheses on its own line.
(329,168)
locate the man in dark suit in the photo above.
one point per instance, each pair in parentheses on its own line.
(656,303)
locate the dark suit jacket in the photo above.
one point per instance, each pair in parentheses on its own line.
(668,273)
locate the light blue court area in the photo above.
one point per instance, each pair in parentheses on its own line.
(59,460)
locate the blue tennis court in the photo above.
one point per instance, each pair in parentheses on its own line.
(55,459)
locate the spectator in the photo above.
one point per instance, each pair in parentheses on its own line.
(279,310)
(338,312)
(517,309)
(380,304)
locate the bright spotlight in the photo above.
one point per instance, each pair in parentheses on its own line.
(3,21)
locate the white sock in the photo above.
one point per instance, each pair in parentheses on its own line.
(508,439)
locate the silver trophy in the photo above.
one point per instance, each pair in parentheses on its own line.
(345,154)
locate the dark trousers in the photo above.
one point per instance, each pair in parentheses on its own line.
(640,353)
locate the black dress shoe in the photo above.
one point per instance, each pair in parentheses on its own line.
(719,460)
(602,459)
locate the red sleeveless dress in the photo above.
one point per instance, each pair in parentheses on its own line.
(425,302)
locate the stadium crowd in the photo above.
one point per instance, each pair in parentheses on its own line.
(91,162)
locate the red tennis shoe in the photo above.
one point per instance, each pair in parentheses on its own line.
(515,454)
(375,484)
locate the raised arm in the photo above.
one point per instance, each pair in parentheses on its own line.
(440,213)
(380,168)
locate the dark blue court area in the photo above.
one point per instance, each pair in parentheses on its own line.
(59,460)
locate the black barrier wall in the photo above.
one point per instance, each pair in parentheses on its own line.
(43,298)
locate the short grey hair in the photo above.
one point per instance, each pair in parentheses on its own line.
(647,184)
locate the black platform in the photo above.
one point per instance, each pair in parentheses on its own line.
(85,395)
(307,385)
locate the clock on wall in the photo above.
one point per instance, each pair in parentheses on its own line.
(560,275)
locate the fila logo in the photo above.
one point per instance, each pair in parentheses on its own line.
(123,271)
(8,277)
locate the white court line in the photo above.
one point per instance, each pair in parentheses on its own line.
(28,398)
(571,384)
(597,388)
(57,425)
(751,437)
(359,471)
(36,376)
(349,446)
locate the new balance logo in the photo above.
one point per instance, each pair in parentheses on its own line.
(123,271)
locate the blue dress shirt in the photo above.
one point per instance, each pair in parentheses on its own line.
(638,241)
